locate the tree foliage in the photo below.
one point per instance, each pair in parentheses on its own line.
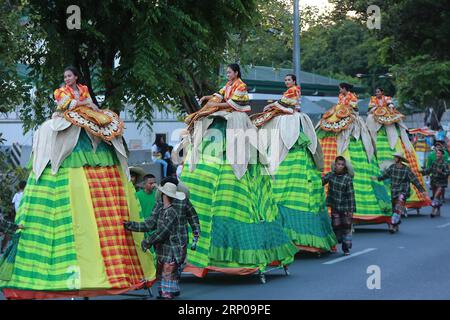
(9,178)
(415,38)
(14,90)
(147,53)
(156,53)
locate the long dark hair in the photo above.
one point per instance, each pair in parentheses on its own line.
(236,68)
(346,86)
(158,140)
(293,77)
(75,72)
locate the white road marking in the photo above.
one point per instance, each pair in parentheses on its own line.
(352,255)
(443,225)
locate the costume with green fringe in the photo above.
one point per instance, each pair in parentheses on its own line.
(76,199)
(342,132)
(295,159)
(241,226)
(390,135)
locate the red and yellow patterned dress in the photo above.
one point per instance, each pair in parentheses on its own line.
(234,93)
(286,105)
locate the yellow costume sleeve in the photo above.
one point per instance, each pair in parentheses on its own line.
(63,100)
(239,100)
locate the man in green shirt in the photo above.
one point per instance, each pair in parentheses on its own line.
(432,157)
(146,196)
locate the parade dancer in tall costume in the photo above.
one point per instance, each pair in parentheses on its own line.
(342,132)
(241,227)
(295,160)
(77,196)
(389,134)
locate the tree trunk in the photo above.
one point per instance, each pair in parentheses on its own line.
(189,104)
(110,83)
(82,65)
(435,114)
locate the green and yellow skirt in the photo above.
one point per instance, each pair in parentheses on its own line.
(74,243)
(300,196)
(241,228)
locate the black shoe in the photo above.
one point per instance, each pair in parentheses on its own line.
(391,229)
(176,294)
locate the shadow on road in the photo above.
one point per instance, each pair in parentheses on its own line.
(214,279)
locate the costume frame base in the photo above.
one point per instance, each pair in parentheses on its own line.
(15,294)
(202,272)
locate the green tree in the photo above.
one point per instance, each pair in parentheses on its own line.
(9,178)
(147,53)
(331,45)
(13,88)
(415,44)
(268,40)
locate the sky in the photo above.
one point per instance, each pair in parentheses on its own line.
(318,3)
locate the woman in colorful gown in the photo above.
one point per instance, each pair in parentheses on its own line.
(295,159)
(240,222)
(342,132)
(77,196)
(389,134)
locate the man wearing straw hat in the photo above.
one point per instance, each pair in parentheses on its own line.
(185,206)
(401,177)
(341,200)
(169,238)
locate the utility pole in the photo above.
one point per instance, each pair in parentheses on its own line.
(296,58)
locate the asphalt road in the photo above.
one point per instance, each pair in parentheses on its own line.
(412,264)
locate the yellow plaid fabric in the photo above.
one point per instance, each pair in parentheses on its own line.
(117,246)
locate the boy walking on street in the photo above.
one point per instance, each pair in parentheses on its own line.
(341,200)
